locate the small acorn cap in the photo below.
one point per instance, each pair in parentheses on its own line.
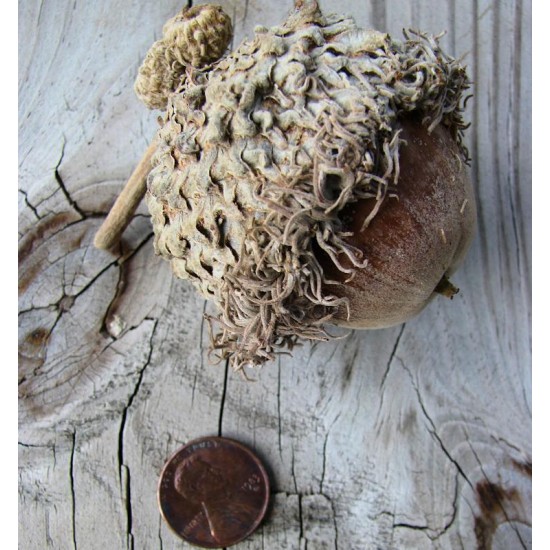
(194,38)
(199,35)
(158,77)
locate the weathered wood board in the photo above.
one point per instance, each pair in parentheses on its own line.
(417,436)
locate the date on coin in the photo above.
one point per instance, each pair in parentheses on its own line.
(213,492)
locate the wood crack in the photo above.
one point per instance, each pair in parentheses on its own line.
(66,301)
(392,356)
(28,203)
(160,533)
(432,429)
(501,440)
(121,262)
(412,526)
(72,488)
(33,445)
(124,470)
(515,140)
(387,370)
(324,463)
(279,419)
(348,369)
(325,444)
(432,533)
(301,518)
(455,510)
(335,522)
(312,513)
(222,401)
(404,525)
(127,497)
(62,186)
(64,304)
(293,472)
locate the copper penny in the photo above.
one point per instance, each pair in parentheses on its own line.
(213,492)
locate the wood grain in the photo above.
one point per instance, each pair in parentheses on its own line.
(417,436)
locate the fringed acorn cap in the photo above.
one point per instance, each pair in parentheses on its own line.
(194,38)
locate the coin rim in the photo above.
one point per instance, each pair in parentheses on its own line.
(256,460)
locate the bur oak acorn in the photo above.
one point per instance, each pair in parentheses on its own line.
(315,175)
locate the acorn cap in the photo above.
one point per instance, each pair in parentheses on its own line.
(194,38)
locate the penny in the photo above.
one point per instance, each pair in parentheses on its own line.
(213,492)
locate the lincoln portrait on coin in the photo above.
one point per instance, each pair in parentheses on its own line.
(219,489)
(197,480)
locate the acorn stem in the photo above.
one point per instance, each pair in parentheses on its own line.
(446,288)
(306,4)
(126,204)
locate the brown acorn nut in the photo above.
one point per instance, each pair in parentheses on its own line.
(416,240)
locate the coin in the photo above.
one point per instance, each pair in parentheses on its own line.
(213,492)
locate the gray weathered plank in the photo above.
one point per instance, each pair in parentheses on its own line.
(417,436)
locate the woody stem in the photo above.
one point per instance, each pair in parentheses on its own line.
(126,204)
(446,288)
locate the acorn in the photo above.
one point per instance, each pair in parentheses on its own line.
(418,238)
(316,175)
